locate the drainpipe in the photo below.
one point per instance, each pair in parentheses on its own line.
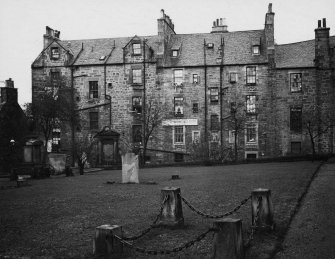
(107,96)
(221,93)
(144,100)
(206,137)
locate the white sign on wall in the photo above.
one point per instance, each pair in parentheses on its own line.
(180,122)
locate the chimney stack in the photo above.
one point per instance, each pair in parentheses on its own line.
(49,36)
(9,93)
(219,26)
(324,22)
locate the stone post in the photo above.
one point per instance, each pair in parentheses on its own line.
(172,214)
(104,243)
(261,200)
(228,239)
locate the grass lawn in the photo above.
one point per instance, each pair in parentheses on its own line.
(56,217)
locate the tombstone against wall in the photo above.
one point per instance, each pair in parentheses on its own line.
(58,162)
(130,168)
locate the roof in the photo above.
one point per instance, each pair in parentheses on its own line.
(237,48)
(300,54)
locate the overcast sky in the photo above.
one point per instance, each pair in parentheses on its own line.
(22,23)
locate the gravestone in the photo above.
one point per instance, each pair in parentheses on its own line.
(130,168)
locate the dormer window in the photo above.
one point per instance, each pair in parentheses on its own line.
(210,45)
(175,53)
(137,48)
(256,50)
(55,53)
(102,58)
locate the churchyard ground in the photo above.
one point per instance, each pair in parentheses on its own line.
(57,217)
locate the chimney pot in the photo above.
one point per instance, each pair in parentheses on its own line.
(270,8)
(217,22)
(162,12)
(214,24)
(319,23)
(220,21)
(324,22)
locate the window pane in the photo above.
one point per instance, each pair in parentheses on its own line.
(94,120)
(195,108)
(195,79)
(137,104)
(137,76)
(137,133)
(215,125)
(136,48)
(251,75)
(296,82)
(178,76)
(178,106)
(179,134)
(251,134)
(296,119)
(93,89)
(255,49)
(214,95)
(251,103)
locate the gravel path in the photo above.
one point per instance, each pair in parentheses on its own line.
(312,232)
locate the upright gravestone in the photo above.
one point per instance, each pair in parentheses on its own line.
(130,168)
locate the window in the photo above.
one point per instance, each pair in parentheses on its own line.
(251,104)
(178,106)
(256,50)
(295,82)
(233,77)
(55,141)
(137,104)
(251,75)
(296,119)
(215,125)
(215,136)
(251,134)
(178,77)
(137,133)
(195,79)
(251,155)
(137,48)
(196,136)
(55,53)
(210,45)
(195,108)
(175,53)
(178,137)
(232,107)
(214,95)
(295,147)
(231,136)
(94,120)
(93,90)
(137,76)
(178,157)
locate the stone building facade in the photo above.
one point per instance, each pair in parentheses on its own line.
(211,87)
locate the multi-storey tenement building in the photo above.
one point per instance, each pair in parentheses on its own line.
(213,86)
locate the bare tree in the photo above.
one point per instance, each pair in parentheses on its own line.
(85,144)
(236,122)
(50,108)
(315,123)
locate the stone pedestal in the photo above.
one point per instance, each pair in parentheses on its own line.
(261,200)
(104,244)
(228,239)
(172,214)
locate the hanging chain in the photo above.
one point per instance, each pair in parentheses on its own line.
(153,225)
(254,222)
(165,251)
(214,216)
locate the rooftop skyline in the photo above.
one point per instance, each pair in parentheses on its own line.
(22,24)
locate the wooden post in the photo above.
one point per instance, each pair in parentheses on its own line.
(104,243)
(228,239)
(261,203)
(172,214)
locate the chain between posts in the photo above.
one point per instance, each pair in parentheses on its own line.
(166,251)
(147,230)
(254,222)
(214,216)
